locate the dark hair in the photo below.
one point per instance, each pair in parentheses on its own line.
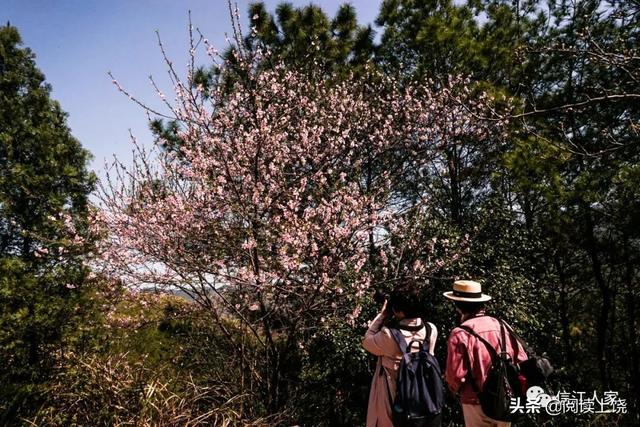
(406,298)
(469,307)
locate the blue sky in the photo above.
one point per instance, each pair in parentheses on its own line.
(77,42)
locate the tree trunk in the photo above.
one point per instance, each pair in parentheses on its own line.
(564,312)
(455,204)
(605,291)
(630,302)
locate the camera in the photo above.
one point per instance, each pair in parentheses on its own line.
(380,296)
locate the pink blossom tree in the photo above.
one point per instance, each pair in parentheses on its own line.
(281,194)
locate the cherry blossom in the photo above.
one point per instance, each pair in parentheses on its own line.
(280,195)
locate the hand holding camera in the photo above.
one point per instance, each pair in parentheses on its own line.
(382,297)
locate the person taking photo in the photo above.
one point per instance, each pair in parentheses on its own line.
(399,319)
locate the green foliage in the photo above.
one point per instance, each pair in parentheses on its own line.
(335,377)
(43,209)
(306,37)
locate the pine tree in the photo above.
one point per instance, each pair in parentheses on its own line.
(44,185)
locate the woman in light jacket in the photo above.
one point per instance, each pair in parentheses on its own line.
(403,305)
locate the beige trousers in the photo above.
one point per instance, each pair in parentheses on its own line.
(474,417)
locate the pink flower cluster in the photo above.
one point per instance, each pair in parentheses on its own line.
(279,188)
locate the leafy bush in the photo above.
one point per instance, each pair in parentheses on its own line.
(335,378)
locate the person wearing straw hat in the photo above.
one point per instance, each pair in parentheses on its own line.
(468,360)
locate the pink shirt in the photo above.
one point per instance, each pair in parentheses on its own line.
(464,350)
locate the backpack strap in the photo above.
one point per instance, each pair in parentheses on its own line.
(513,339)
(503,340)
(528,350)
(426,344)
(492,351)
(402,343)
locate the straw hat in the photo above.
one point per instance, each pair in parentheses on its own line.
(467,290)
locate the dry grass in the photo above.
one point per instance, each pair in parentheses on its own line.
(113,391)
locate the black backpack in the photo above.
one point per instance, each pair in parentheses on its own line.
(419,388)
(536,369)
(502,382)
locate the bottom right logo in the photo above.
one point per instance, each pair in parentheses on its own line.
(537,400)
